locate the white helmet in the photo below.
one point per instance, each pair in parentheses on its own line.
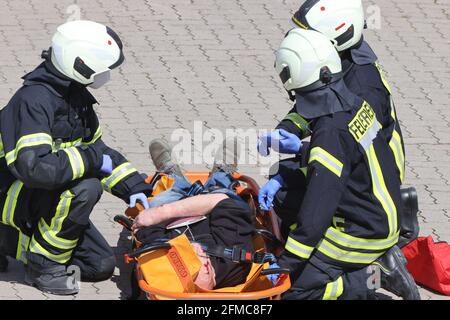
(307,60)
(86,52)
(342,21)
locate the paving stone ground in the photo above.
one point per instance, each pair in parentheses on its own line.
(212,60)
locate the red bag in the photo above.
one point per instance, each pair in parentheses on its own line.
(429,263)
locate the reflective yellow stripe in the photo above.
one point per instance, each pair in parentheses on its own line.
(2,150)
(76,162)
(293,227)
(334,289)
(50,233)
(301,123)
(22,247)
(327,160)
(297,22)
(97,135)
(397,150)
(11,203)
(35,247)
(299,249)
(30,140)
(117,175)
(352,242)
(336,253)
(337,220)
(383,78)
(380,190)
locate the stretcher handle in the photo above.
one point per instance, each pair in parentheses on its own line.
(270,236)
(123,221)
(267,272)
(148,248)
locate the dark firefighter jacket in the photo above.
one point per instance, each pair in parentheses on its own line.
(364,77)
(50,136)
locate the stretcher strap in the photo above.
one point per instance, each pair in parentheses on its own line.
(239,255)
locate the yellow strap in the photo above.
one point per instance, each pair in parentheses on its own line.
(327,160)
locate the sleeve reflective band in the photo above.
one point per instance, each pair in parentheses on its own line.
(334,289)
(76,162)
(301,123)
(117,175)
(98,134)
(396,146)
(299,249)
(30,140)
(383,78)
(327,160)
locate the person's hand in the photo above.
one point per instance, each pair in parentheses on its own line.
(268,192)
(107,165)
(206,277)
(142,198)
(274,277)
(279,140)
(148,218)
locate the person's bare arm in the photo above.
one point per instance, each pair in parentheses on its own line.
(190,207)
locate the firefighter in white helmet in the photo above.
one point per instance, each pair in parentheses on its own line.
(348,212)
(54,164)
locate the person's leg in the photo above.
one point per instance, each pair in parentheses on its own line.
(322,281)
(94,256)
(58,233)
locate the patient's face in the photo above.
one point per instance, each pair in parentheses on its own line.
(206,278)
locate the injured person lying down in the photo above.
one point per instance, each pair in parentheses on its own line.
(219,218)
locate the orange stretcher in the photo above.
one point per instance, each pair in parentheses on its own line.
(165,271)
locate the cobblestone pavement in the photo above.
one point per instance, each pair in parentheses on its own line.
(213,60)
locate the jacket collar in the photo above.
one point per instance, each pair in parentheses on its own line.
(60,85)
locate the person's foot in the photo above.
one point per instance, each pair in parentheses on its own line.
(226,159)
(395,277)
(161,155)
(49,276)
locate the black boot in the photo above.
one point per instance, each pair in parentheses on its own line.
(3,263)
(395,277)
(49,276)
(409,224)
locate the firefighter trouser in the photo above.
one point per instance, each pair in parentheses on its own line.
(322,281)
(56,224)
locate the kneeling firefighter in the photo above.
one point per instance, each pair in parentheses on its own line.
(54,164)
(342,22)
(348,217)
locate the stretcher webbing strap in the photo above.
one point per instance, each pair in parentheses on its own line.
(181,270)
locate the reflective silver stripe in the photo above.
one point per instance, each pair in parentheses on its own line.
(326,159)
(392,212)
(355,243)
(53,240)
(334,289)
(76,161)
(11,202)
(28,141)
(370,135)
(117,175)
(298,248)
(22,247)
(35,247)
(336,253)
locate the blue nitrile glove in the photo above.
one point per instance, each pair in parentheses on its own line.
(107,165)
(141,197)
(279,140)
(274,277)
(268,192)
